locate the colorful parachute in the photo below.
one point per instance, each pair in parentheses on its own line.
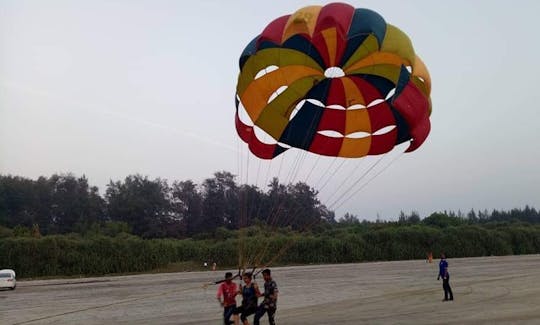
(332,80)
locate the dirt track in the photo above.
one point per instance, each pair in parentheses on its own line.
(487,290)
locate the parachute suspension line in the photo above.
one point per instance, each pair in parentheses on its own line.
(300,156)
(247,168)
(259,205)
(266,179)
(257,187)
(334,172)
(292,175)
(292,167)
(258,172)
(290,242)
(367,182)
(239,159)
(268,172)
(362,176)
(246,207)
(278,209)
(243,209)
(304,155)
(323,175)
(240,175)
(273,207)
(275,216)
(306,180)
(272,219)
(280,165)
(347,177)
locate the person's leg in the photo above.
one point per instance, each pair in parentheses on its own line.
(445,287)
(243,318)
(271,313)
(450,290)
(247,312)
(227,313)
(236,315)
(260,313)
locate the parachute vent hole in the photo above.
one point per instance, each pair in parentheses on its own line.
(390,94)
(263,136)
(297,108)
(316,102)
(336,106)
(243,114)
(358,135)
(330,133)
(356,106)
(276,93)
(375,102)
(384,130)
(334,72)
(266,70)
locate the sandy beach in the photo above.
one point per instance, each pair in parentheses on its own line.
(487,290)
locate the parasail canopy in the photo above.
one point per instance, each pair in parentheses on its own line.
(332,80)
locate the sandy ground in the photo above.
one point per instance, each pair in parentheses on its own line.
(490,290)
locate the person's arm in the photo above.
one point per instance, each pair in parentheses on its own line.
(219,294)
(442,266)
(275,294)
(257,291)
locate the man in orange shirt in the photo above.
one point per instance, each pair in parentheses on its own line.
(226,295)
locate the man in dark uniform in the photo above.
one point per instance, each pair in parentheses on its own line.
(443,273)
(270,299)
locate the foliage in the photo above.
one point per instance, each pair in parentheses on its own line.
(62,226)
(96,254)
(63,204)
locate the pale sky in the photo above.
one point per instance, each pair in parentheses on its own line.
(112,88)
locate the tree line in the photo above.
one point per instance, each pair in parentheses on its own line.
(62,204)
(148,208)
(61,225)
(99,254)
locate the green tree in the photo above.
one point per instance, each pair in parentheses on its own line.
(221,202)
(442,220)
(187,203)
(143,204)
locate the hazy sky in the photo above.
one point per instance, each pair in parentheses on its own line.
(112,88)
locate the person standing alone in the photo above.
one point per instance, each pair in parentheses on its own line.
(443,273)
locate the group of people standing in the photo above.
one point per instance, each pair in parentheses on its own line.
(249,290)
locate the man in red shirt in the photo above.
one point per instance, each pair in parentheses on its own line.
(226,295)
